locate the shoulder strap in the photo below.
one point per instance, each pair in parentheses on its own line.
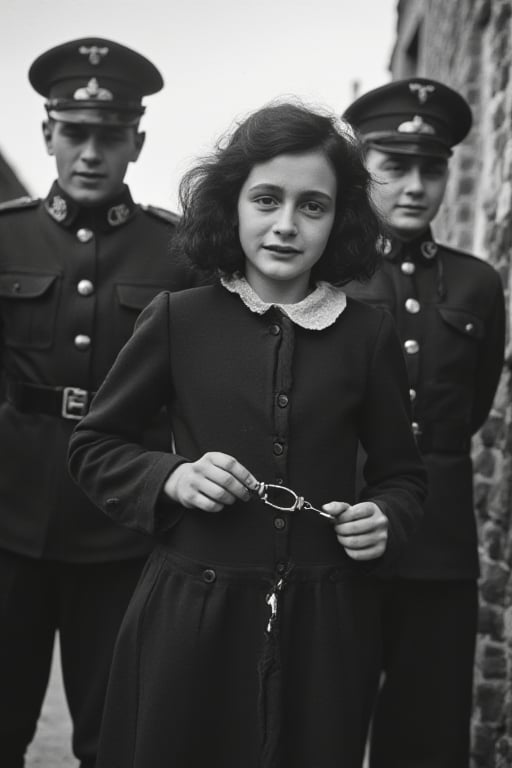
(162,213)
(19,203)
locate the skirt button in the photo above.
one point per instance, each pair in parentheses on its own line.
(209,575)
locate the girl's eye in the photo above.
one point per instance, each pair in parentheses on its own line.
(265,201)
(313,207)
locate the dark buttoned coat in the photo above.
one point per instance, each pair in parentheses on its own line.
(449,311)
(191,676)
(72,283)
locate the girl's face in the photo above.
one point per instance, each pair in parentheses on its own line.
(286,211)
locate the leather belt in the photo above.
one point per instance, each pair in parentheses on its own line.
(66,402)
(443,437)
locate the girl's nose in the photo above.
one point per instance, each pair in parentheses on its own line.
(285,223)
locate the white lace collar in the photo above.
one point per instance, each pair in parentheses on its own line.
(320,309)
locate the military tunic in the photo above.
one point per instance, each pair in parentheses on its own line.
(449,311)
(72,282)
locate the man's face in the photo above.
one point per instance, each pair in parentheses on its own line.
(92,159)
(407,189)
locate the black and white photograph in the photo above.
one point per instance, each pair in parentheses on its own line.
(256,384)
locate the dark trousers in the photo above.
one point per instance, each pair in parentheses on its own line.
(85,603)
(423,710)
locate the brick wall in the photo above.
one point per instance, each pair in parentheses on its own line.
(468,45)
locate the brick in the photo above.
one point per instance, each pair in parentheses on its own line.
(490,621)
(494,661)
(489,700)
(494,581)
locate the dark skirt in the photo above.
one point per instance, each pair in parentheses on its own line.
(200,677)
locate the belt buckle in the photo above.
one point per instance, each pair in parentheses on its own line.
(74,403)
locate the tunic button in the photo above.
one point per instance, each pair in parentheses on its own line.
(275,329)
(279,523)
(408,267)
(412,306)
(469,327)
(85,288)
(411,346)
(84,235)
(209,575)
(279,481)
(416,428)
(282,400)
(82,341)
(112,502)
(278,449)
(412,395)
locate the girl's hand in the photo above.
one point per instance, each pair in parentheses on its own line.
(210,483)
(362,530)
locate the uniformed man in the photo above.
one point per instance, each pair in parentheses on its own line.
(449,310)
(75,270)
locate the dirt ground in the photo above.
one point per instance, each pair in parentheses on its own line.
(51,747)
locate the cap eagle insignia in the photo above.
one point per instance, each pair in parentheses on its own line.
(94,52)
(422,91)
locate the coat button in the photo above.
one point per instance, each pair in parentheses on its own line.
(278,449)
(84,235)
(85,287)
(412,306)
(469,327)
(282,400)
(281,568)
(416,428)
(279,523)
(209,575)
(412,395)
(112,502)
(82,341)
(275,329)
(411,346)
(16,287)
(408,267)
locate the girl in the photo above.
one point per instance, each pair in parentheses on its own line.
(252,639)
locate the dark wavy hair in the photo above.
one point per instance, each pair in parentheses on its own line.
(207,234)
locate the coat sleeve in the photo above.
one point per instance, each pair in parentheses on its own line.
(490,360)
(106,455)
(395,477)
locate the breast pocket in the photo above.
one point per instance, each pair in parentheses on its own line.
(29,304)
(463,322)
(132,300)
(462,330)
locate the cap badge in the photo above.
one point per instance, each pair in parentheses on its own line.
(57,208)
(93,91)
(421,91)
(118,214)
(94,52)
(428,249)
(416,125)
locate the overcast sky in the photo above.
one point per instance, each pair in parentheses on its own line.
(220,59)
